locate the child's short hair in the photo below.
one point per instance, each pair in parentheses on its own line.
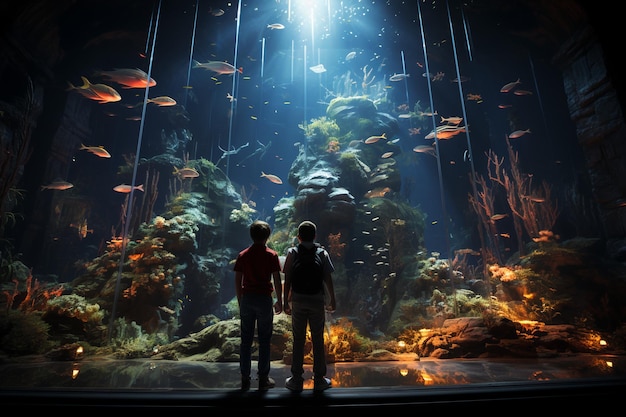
(307,231)
(260,231)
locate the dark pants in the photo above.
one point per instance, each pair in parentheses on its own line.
(256,310)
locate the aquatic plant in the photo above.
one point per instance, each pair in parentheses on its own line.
(24,333)
(344,343)
(320,127)
(243,215)
(76,306)
(15,150)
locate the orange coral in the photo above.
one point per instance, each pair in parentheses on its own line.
(333,146)
(335,247)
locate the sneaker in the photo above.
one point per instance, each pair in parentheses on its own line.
(294,384)
(266,383)
(245,383)
(321,384)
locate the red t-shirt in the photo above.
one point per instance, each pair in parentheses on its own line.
(257,263)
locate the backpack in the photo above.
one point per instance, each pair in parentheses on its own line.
(307,270)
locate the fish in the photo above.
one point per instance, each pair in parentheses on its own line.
(427,149)
(82,229)
(466,251)
(518,133)
(128,77)
(272,178)
(404,116)
(216,12)
(318,69)
(124,188)
(522,93)
(508,87)
(162,101)
(350,55)
(101,93)
(218,67)
(96,150)
(377,192)
(386,155)
(453,120)
(445,132)
(398,77)
(497,217)
(504,106)
(185,173)
(57,185)
(374,139)
(273,26)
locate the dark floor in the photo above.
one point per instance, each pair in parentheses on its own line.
(362,385)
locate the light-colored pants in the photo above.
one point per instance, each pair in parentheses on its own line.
(308,309)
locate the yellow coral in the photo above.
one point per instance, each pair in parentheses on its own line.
(504,273)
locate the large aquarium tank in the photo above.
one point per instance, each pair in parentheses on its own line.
(463,162)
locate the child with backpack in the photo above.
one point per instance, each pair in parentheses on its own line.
(308,269)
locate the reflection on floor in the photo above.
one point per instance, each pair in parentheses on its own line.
(144,374)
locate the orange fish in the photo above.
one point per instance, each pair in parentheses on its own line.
(82,229)
(124,188)
(57,185)
(162,101)
(128,77)
(377,192)
(374,139)
(96,150)
(185,173)
(101,93)
(272,178)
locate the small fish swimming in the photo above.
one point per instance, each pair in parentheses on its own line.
(273,26)
(387,155)
(350,56)
(508,87)
(162,101)
(128,77)
(398,77)
(374,139)
(519,133)
(453,120)
(96,150)
(272,178)
(57,185)
(185,173)
(497,217)
(101,93)
(218,67)
(82,229)
(427,149)
(124,188)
